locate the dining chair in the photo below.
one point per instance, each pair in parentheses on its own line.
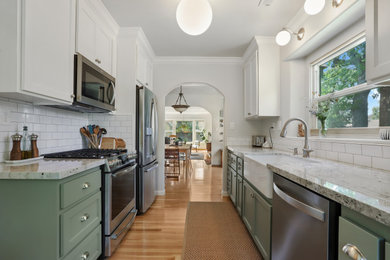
(172,163)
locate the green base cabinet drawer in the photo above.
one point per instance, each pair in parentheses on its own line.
(90,248)
(80,188)
(239,195)
(79,221)
(234,187)
(370,245)
(240,166)
(387,251)
(232,161)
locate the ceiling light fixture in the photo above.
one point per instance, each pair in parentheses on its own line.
(313,7)
(284,36)
(194,16)
(178,106)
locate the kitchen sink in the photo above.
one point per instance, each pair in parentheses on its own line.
(257,172)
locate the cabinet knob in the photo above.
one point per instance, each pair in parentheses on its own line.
(98,61)
(85,255)
(84,218)
(72,96)
(86,185)
(353,252)
(249,114)
(147,84)
(252,196)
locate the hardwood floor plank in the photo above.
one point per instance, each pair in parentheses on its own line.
(159,233)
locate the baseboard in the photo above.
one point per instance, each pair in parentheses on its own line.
(159,192)
(225,193)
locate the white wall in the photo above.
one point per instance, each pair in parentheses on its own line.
(226,76)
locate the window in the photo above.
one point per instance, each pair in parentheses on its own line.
(186,130)
(340,83)
(169,128)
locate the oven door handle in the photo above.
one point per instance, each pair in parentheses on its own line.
(115,236)
(124,171)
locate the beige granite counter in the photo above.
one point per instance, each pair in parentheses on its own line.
(364,190)
(48,169)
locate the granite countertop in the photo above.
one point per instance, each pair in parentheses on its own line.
(362,189)
(48,169)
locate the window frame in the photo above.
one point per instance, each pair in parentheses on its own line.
(315,97)
(194,131)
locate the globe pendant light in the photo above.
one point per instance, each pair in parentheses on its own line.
(194,16)
(178,106)
(283,37)
(313,7)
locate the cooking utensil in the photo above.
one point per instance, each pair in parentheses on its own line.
(86,133)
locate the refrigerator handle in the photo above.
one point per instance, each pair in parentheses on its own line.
(307,209)
(153,116)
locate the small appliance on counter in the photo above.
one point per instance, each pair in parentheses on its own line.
(258,140)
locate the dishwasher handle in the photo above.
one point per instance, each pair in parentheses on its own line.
(307,209)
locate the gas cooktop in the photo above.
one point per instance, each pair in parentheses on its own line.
(88,154)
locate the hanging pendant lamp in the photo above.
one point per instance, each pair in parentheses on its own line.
(194,16)
(179,107)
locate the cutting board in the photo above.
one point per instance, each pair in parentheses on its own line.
(113,143)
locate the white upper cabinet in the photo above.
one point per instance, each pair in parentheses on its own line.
(378,41)
(262,79)
(144,66)
(96,39)
(36,50)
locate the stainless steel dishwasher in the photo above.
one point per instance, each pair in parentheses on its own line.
(304,224)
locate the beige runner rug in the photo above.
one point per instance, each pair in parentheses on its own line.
(214,231)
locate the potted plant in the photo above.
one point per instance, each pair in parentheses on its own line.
(205,138)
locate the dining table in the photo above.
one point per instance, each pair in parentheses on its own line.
(186,149)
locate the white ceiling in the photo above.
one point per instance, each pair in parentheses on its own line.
(234,24)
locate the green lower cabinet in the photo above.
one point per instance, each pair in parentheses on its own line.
(35,226)
(262,227)
(256,214)
(234,187)
(229,181)
(90,248)
(357,240)
(248,211)
(387,251)
(239,195)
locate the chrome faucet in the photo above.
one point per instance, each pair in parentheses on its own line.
(306,150)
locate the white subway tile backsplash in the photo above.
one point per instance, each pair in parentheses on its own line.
(326,146)
(346,157)
(337,147)
(381,163)
(372,150)
(353,148)
(362,160)
(386,152)
(332,155)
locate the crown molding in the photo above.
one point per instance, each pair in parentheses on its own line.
(197,60)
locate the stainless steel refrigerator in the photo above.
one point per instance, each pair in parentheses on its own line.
(146,145)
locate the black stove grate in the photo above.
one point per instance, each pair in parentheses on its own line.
(87,153)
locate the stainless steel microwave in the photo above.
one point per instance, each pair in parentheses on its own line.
(94,89)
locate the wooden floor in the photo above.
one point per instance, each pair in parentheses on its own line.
(159,233)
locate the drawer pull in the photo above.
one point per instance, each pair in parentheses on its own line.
(84,218)
(353,252)
(98,61)
(86,185)
(85,256)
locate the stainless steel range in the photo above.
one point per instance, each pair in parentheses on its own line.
(118,191)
